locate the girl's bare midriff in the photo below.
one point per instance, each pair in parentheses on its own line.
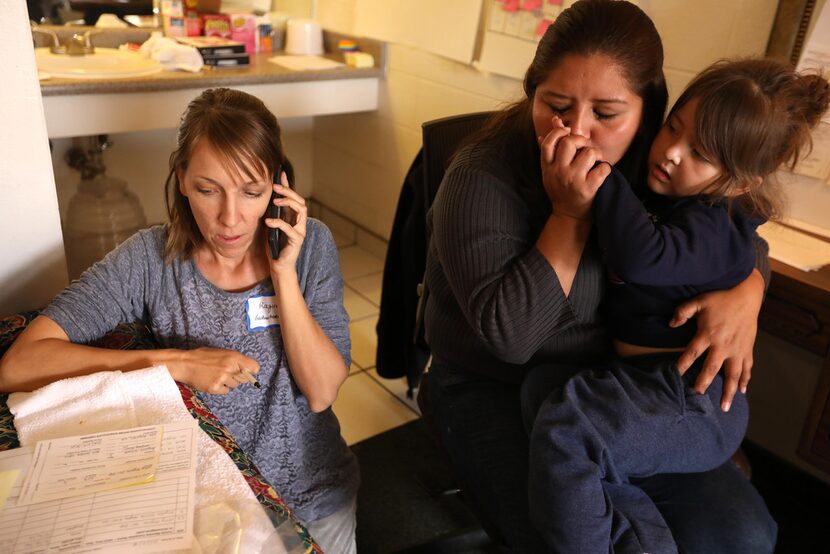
(626,350)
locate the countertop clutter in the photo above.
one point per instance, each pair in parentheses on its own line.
(79,107)
(259,71)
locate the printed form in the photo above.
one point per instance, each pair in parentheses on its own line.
(150,517)
(75,466)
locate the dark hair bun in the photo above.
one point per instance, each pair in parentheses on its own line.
(817,97)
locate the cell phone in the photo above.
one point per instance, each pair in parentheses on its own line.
(274,213)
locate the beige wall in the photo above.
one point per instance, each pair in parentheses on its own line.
(32,263)
(361,159)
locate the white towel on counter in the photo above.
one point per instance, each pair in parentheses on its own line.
(172,55)
(113,400)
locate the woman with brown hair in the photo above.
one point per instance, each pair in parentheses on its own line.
(516,279)
(225,310)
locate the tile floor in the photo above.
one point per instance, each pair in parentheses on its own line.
(367,404)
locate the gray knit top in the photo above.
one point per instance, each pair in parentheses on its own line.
(301,453)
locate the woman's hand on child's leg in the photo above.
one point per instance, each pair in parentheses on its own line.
(727,322)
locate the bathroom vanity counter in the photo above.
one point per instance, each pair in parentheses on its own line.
(75,107)
(260,71)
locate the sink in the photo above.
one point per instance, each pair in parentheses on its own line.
(105,63)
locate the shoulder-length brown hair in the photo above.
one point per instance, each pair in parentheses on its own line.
(241,130)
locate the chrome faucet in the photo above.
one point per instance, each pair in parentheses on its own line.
(78,45)
(56,44)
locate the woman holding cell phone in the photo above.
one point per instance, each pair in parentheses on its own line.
(227,309)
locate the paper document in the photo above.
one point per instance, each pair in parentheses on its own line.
(305,63)
(142,518)
(794,247)
(809,227)
(74,466)
(7,481)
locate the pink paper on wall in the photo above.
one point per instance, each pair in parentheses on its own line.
(543,26)
(511,5)
(531,5)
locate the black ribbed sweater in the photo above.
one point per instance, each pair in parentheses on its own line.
(495,305)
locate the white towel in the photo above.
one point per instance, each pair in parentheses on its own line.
(172,55)
(112,400)
(75,406)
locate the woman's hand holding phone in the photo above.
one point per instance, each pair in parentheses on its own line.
(273,212)
(288,229)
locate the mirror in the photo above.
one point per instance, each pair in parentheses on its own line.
(790,27)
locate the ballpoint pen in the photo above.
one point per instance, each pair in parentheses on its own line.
(251,379)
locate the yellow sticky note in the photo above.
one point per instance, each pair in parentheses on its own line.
(7,480)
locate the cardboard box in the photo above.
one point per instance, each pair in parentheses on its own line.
(243,29)
(217,25)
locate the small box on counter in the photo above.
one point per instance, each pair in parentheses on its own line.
(244,29)
(265,36)
(172,13)
(347,45)
(359,59)
(217,25)
(193,26)
(174,27)
(192,19)
(214,46)
(227,60)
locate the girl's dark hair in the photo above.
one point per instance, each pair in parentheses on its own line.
(242,131)
(755,115)
(616,29)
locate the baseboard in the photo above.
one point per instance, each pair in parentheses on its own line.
(347,231)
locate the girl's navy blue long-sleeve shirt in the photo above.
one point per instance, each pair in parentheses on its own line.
(661,251)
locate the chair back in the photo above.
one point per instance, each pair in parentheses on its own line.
(441,138)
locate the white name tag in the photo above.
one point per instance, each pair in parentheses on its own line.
(262,312)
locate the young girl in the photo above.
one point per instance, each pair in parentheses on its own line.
(709,185)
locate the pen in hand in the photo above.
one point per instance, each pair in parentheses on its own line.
(251,379)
